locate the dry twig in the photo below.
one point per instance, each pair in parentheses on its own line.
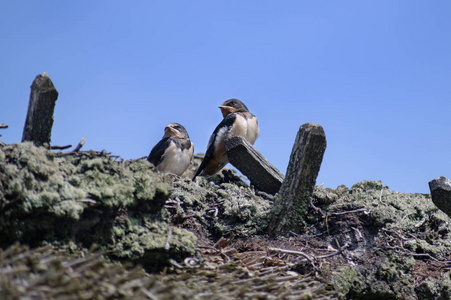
(82,142)
(60,147)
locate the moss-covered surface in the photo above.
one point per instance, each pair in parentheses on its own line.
(88,198)
(396,243)
(205,239)
(219,208)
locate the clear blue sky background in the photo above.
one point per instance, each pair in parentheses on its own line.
(375,74)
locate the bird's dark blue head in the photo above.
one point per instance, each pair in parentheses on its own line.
(175,130)
(232,106)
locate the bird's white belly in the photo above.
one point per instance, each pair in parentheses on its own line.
(252,130)
(176,161)
(247,128)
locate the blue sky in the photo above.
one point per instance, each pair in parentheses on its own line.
(375,74)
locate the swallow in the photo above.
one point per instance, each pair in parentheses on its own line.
(174,151)
(238,121)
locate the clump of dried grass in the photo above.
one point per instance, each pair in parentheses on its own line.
(45,273)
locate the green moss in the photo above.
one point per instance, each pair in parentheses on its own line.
(368,185)
(347,279)
(146,217)
(192,195)
(431,288)
(243,211)
(399,229)
(70,209)
(381,280)
(219,207)
(387,208)
(2,155)
(153,244)
(35,183)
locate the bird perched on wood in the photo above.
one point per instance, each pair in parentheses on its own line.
(238,121)
(174,151)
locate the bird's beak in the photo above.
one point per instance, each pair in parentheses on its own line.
(226,110)
(169,131)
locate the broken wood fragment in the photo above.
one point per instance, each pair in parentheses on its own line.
(39,120)
(260,172)
(60,147)
(441,193)
(82,142)
(292,202)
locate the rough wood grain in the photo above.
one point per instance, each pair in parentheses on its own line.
(441,193)
(260,172)
(82,142)
(293,200)
(39,121)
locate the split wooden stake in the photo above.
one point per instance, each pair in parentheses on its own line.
(39,121)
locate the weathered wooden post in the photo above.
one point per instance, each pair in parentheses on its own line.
(39,121)
(292,202)
(441,193)
(260,172)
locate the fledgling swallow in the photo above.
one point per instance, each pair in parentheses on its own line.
(174,151)
(238,121)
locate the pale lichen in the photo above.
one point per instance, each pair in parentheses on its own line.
(221,208)
(87,198)
(378,243)
(392,232)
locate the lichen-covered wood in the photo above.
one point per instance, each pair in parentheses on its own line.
(39,120)
(441,193)
(293,200)
(261,173)
(87,197)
